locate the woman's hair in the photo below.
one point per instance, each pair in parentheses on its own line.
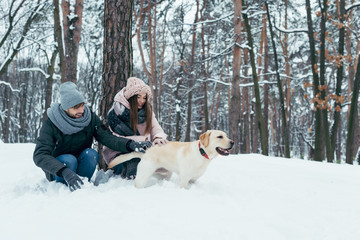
(134,113)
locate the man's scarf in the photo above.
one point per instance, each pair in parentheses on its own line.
(65,123)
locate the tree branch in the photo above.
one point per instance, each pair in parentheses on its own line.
(348,8)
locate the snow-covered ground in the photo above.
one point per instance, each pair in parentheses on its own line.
(239,197)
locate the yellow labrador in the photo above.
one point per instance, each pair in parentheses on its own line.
(188,159)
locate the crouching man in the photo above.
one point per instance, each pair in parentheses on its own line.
(63,149)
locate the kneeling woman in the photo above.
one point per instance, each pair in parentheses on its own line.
(131,116)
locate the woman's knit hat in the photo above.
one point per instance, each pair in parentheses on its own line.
(70,95)
(135,86)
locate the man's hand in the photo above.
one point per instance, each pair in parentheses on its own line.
(138,146)
(72,179)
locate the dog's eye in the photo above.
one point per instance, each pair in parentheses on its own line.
(220,137)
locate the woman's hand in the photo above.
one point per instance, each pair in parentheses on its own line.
(159,141)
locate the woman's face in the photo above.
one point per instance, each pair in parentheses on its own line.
(141,100)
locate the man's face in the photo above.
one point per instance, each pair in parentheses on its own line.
(76,111)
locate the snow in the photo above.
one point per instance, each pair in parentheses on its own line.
(245,196)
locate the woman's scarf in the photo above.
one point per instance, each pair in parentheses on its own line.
(119,120)
(65,123)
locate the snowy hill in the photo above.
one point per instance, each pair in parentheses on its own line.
(239,197)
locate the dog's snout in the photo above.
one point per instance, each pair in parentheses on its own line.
(231,143)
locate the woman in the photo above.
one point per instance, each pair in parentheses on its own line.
(131,116)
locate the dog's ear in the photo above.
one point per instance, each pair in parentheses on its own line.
(205,138)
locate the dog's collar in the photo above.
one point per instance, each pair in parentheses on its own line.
(202,152)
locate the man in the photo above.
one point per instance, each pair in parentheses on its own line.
(63,149)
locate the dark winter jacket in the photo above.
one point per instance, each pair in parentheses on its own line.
(52,143)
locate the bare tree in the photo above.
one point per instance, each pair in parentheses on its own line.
(12,20)
(34,12)
(152,73)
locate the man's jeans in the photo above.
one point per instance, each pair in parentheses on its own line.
(83,166)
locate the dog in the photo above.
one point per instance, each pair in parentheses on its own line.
(187,159)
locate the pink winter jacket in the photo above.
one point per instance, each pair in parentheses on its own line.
(155,132)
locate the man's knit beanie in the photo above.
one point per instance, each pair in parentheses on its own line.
(70,95)
(135,86)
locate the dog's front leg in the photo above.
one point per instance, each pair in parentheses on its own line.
(184,181)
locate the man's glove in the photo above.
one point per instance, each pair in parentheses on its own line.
(138,146)
(72,179)
(130,168)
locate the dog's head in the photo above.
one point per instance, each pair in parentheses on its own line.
(216,142)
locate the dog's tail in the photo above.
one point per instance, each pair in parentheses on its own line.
(124,157)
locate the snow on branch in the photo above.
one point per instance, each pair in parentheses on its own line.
(226,51)
(214,80)
(260,83)
(210,21)
(35,70)
(9,85)
(347,8)
(302,30)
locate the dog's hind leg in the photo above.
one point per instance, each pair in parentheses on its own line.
(145,170)
(162,174)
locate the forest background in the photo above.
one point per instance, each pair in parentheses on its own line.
(280,77)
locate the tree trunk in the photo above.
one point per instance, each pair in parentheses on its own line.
(152,55)
(285,129)
(318,126)
(247,110)
(234,115)
(159,116)
(8,115)
(265,72)
(352,117)
(339,76)
(138,34)
(191,76)
(151,74)
(49,82)
(260,119)
(217,102)
(178,111)
(23,114)
(117,55)
(68,35)
(324,107)
(203,69)
(287,70)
